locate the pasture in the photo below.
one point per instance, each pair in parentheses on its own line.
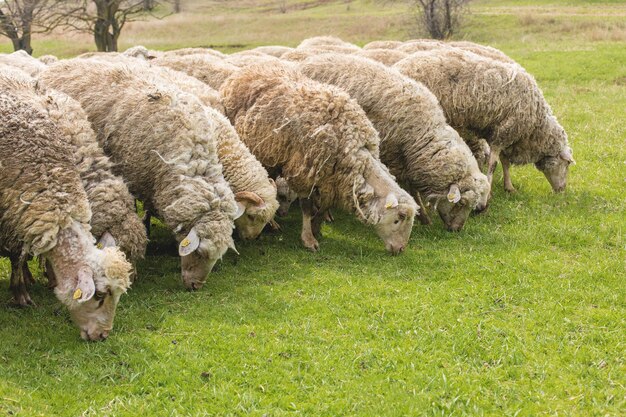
(523,313)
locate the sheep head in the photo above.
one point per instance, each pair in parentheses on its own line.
(256,214)
(555,168)
(286,196)
(90,281)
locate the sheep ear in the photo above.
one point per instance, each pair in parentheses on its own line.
(85,287)
(189,244)
(106,241)
(250,198)
(454,195)
(391,201)
(567,155)
(273,183)
(241,208)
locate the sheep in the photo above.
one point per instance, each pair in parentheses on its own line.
(210,70)
(383,45)
(195,51)
(21,60)
(114,221)
(325,41)
(420,149)
(323,145)
(242,60)
(44,211)
(286,196)
(499,102)
(483,50)
(48,59)
(164,145)
(254,191)
(298,55)
(417,45)
(385,56)
(273,50)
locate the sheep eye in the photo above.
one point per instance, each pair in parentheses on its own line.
(99,295)
(250,217)
(396,222)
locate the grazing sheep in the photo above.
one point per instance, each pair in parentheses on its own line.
(243,60)
(499,102)
(286,196)
(254,191)
(114,221)
(273,50)
(425,154)
(385,56)
(48,59)
(321,142)
(23,61)
(164,146)
(383,45)
(208,69)
(44,211)
(298,55)
(196,51)
(483,50)
(417,45)
(324,41)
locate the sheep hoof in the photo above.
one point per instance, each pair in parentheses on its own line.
(510,189)
(311,244)
(23,300)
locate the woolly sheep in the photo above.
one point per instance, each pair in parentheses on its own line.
(325,41)
(114,221)
(385,56)
(243,60)
(44,211)
(48,59)
(499,102)
(383,45)
(298,55)
(164,145)
(210,70)
(195,51)
(254,191)
(286,196)
(323,145)
(420,149)
(483,50)
(23,61)
(273,50)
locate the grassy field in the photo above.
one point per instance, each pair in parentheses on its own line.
(521,314)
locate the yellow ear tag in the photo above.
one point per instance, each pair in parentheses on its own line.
(99,245)
(451,197)
(185,243)
(388,205)
(77,294)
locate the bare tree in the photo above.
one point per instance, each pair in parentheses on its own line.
(440,18)
(20,19)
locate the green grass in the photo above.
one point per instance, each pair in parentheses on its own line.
(521,314)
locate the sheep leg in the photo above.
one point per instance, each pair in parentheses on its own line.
(423,216)
(18,286)
(146,221)
(328,217)
(493,163)
(308,239)
(506,165)
(49,273)
(316,223)
(28,277)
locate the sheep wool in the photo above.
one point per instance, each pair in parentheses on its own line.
(21,60)
(208,69)
(385,56)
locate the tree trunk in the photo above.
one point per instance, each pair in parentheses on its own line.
(177,8)
(106,29)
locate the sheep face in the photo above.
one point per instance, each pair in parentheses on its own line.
(455,208)
(555,168)
(285,196)
(395,224)
(254,215)
(90,281)
(198,256)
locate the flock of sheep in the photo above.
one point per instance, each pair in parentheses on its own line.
(210,142)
